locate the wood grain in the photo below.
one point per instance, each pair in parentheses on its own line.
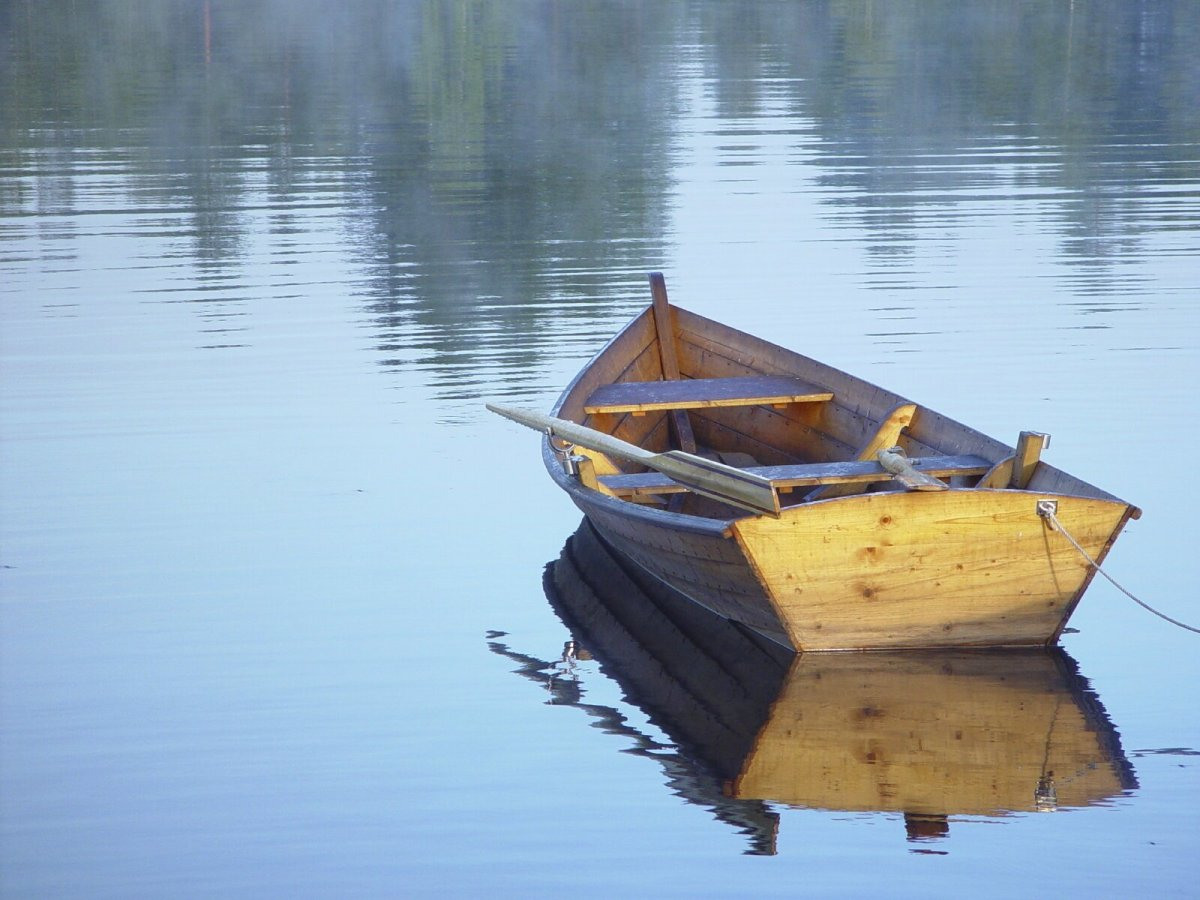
(665,326)
(887,435)
(958,568)
(698,393)
(1025,460)
(807,475)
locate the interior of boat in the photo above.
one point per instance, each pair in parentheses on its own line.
(814,431)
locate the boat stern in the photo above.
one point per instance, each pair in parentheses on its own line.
(959,568)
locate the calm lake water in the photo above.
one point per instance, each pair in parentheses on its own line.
(274,618)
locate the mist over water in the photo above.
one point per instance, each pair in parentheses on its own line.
(267,563)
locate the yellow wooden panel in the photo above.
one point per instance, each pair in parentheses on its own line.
(702,393)
(1025,461)
(956,568)
(999,475)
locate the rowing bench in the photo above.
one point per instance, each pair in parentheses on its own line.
(806,475)
(641,397)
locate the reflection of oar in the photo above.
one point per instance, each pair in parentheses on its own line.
(712,479)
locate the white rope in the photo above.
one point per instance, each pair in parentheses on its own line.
(1047,512)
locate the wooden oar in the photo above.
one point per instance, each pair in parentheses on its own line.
(712,479)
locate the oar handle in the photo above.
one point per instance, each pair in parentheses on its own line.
(574,432)
(712,479)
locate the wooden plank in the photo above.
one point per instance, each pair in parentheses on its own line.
(821,432)
(590,464)
(680,425)
(898,569)
(710,348)
(1029,452)
(640,430)
(933,429)
(904,472)
(799,430)
(712,433)
(766,358)
(666,328)
(725,483)
(999,475)
(650,432)
(643,366)
(745,427)
(887,435)
(807,475)
(699,393)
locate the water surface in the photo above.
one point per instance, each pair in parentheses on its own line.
(260,264)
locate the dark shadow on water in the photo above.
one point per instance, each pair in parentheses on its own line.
(927,735)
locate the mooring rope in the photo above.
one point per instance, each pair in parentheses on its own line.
(1047,512)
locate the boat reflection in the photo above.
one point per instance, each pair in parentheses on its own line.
(930,735)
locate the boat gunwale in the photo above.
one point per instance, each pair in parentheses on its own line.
(713,525)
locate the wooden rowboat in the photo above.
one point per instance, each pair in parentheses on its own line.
(812,506)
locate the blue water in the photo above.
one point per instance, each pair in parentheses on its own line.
(260,266)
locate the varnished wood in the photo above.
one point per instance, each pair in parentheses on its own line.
(999,475)
(885,437)
(958,568)
(698,393)
(807,475)
(704,476)
(709,349)
(600,464)
(665,327)
(819,432)
(888,433)
(756,582)
(1025,460)
(587,464)
(742,390)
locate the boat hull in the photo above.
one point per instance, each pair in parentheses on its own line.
(880,571)
(969,566)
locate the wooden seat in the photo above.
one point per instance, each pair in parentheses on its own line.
(640,397)
(807,475)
